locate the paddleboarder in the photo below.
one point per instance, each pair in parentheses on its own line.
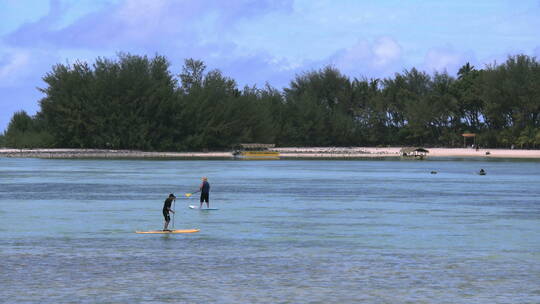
(205,192)
(167,209)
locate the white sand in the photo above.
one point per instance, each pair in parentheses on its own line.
(288,152)
(340,152)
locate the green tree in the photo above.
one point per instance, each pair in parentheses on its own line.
(25,131)
(135,102)
(129,103)
(467,92)
(192,75)
(510,94)
(321,107)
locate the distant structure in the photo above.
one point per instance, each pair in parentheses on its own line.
(414,153)
(469,135)
(255,151)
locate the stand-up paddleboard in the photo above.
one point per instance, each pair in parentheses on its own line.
(169,231)
(202,209)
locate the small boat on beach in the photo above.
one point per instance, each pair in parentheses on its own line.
(255,152)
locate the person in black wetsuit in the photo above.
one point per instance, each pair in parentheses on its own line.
(205,192)
(167,209)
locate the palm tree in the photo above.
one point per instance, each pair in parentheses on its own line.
(465,70)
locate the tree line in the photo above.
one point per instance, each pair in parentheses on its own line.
(136,102)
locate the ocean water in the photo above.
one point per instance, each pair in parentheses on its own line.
(304,231)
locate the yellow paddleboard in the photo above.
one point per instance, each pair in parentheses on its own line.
(169,232)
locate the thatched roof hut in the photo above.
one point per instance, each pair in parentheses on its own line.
(415,152)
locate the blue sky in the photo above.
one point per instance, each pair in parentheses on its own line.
(261,41)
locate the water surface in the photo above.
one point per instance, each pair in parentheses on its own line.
(286,232)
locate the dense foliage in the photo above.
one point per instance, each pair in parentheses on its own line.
(26,132)
(135,102)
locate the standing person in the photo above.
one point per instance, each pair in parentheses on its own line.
(167,209)
(205,192)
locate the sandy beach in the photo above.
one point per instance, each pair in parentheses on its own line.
(361,152)
(285,153)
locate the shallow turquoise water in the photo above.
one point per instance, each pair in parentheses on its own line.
(286,232)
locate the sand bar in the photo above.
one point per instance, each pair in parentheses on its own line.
(285,153)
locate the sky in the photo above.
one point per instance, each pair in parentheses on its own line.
(259,41)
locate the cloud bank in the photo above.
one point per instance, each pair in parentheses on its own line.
(256,42)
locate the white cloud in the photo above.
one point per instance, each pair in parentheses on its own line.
(24,68)
(137,11)
(445,59)
(386,50)
(13,67)
(377,59)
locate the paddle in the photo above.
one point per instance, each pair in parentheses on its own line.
(188,195)
(173,213)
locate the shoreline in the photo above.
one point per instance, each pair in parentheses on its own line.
(285,153)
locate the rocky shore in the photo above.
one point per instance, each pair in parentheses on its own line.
(101,153)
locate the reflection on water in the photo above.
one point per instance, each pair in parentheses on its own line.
(286,232)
